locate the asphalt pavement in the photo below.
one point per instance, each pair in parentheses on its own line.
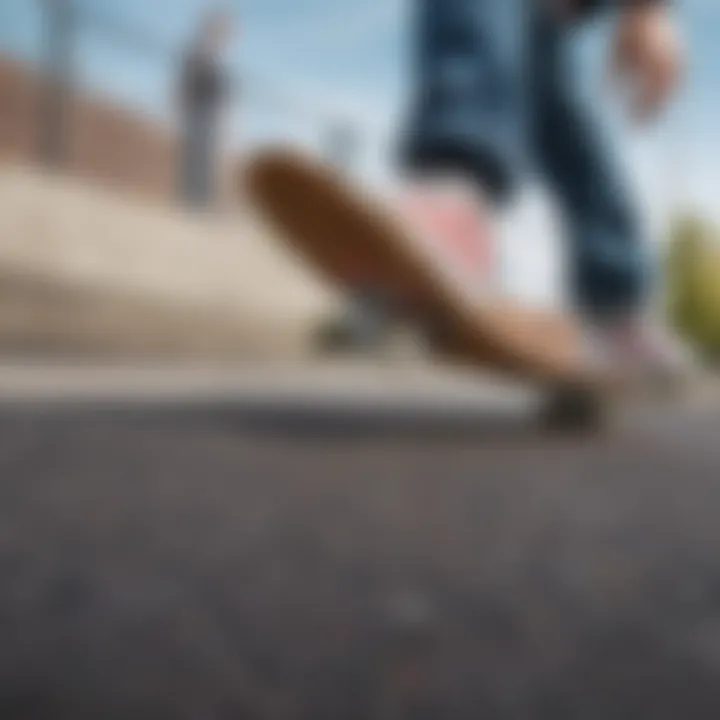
(268,545)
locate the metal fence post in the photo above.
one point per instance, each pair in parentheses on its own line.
(60,22)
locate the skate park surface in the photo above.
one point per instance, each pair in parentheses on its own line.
(246,532)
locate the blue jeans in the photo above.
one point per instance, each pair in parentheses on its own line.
(495,100)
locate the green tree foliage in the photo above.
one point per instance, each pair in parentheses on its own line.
(694,284)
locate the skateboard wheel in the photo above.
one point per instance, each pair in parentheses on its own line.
(407,343)
(575,409)
(363,329)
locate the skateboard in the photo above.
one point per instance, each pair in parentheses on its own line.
(354,239)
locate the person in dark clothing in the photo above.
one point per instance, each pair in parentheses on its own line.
(204,94)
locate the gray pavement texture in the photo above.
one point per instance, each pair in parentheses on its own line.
(223,563)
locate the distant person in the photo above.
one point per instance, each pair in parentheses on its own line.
(205,95)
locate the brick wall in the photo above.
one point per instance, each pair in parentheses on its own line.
(105,143)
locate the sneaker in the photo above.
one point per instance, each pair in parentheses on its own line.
(639,350)
(454,225)
(451,224)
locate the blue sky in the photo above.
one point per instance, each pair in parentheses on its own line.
(346,58)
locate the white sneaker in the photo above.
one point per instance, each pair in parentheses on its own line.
(450,224)
(455,227)
(639,350)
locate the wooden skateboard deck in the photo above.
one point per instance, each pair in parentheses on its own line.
(353,239)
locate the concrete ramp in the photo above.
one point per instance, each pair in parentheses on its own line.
(83,269)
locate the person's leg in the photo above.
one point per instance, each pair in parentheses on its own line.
(468,111)
(611,270)
(608,264)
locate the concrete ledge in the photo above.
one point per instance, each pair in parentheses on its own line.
(83,269)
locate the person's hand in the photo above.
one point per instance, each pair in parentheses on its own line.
(647,60)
